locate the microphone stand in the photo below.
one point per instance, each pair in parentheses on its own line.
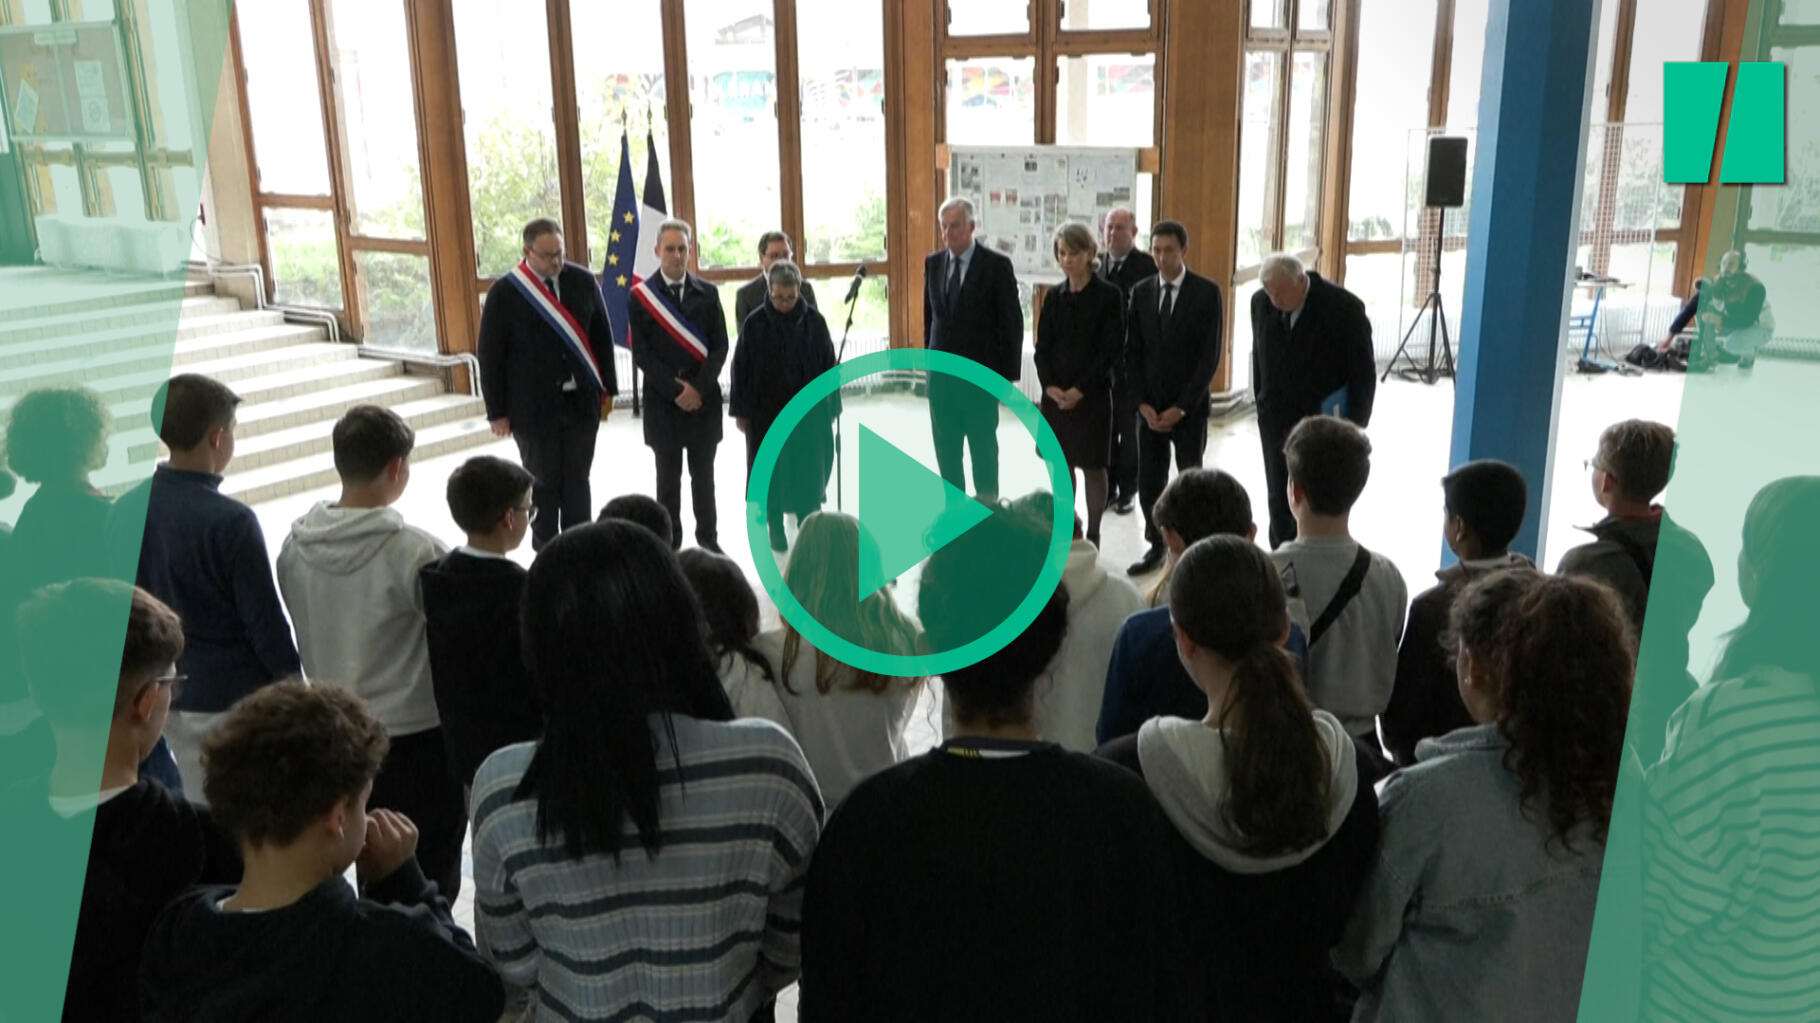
(840,356)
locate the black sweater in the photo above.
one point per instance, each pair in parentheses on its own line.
(484,692)
(1080,336)
(393,956)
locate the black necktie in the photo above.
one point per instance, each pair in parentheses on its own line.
(1114,272)
(550,282)
(1167,311)
(954,279)
(1288,325)
(676,292)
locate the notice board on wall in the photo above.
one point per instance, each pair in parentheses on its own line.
(65,82)
(1023,194)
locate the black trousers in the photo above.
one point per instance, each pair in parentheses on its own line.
(701,488)
(415,780)
(1189,442)
(1276,481)
(961,414)
(559,452)
(1125,426)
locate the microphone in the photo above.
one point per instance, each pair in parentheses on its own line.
(853,289)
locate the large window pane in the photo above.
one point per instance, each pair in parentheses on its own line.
(502,49)
(988,17)
(733,86)
(840,49)
(1083,15)
(1307,151)
(1800,12)
(1268,14)
(1391,101)
(1106,100)
(1667,30)
(1788,273)
(1469,21)
(615,85)
(1239,367)
(380,129)
(991,101)
(282,100)
(1795,206)
(1315,16)
(306,260)
(129,194)
(1257,156)
(395,300)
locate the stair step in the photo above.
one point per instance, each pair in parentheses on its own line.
(302,347)
(252,381)
(158,316)
(142,338)
(310,438)
(64,292)
(318,471)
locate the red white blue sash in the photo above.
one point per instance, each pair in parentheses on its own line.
(560,319)
(670,319)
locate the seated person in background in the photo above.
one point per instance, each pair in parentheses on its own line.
(1484,502)
(1736,313)
(1350,599)
(644,859)
(471,597)
(644,510)
(146,844)
(1632,467)
(729,610)
(288,772)
(1145,678)
(850,722)
(1480,903)
(1068,708)
(1276,827)
(997,877)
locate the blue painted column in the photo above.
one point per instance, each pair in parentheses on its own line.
(1523,219)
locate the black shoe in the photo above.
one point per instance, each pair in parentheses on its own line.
(779,542)
(1122,505)
(710,546)
(1150,562)
(1747,361)
(1094,539)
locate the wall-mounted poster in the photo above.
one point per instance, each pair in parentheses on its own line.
(1024,194)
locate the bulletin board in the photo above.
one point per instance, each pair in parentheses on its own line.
(65,82)
(1024,194)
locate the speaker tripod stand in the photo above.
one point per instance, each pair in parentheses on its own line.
(1440,348)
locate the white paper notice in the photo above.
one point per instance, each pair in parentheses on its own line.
(91,80)
(25,111)
(94,117)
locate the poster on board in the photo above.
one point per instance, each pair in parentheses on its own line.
(1024,194)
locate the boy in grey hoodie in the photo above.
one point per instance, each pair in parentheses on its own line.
(349,575)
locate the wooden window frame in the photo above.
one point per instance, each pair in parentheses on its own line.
(1286,43)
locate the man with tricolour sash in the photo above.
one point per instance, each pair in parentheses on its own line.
(679,341)
(546,367)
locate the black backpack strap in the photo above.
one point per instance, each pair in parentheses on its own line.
(1349,588)
(1641,556)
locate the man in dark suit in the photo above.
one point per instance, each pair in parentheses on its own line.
(1173,334)
(546,367)
(1311,355)
(970,308)
(773,246)
(1124,264)
(679,340)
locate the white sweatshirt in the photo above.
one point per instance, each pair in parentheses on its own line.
(349,579)
(1068,706)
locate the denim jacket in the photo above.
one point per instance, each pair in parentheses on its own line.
(1470,912)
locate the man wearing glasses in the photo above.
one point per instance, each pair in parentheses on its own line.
(773,247)
(546,367)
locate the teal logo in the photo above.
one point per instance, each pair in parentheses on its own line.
(907,512)
(1693,100)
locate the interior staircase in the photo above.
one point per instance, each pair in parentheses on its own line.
(114,336)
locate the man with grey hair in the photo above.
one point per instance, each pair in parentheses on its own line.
(679,340)
(1124,264)
(772,246)
(970,309)
(1311,355)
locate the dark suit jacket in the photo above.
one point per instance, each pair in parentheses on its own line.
(985,323)
(756,292)
(1330,349)
(662,361)
(1174,371)
(1137,268)
(524,362)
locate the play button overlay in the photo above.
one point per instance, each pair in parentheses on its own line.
(906,512)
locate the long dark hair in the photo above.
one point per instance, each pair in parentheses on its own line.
(1559,656)
(1226,596)
(1782,553)
(611,635)
(729,607)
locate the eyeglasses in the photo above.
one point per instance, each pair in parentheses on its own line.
(175,680)
(529,511)
(1592,463)
(547,256)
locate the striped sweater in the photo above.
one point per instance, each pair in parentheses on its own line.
(706,930)
(1731,881)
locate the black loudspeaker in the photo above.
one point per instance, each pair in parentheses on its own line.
(1446,171)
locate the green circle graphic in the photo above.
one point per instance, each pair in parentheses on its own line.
(1061,535)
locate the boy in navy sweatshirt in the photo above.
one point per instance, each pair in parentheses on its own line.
(471,598)
(203,553)
(288,772)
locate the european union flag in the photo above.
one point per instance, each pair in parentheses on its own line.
(616,277)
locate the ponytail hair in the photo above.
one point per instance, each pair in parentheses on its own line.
(1558,655)
(1226,596)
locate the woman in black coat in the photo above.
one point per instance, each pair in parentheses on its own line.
(1078,338)
(783,346)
